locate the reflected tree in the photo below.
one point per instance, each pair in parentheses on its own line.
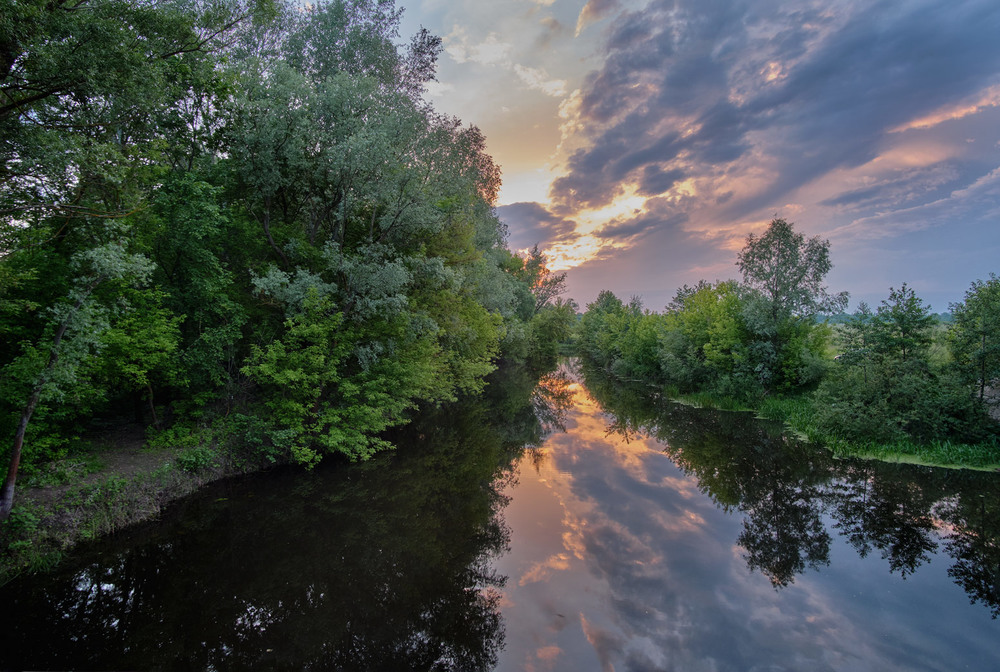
(380,565)
(974,544)
(891,515)
(785,487)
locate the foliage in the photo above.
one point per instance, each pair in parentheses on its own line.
(196,459)
(783,279)
(976,334)
(884,387)
(897,380)
(903,325)
(245,205)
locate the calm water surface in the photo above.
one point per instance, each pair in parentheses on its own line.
(567,528)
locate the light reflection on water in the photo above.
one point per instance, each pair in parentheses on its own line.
(570,528)
(705,550)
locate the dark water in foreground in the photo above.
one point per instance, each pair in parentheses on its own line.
(558,529)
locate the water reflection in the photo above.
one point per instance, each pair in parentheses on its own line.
(554,527)
(656,536)
(786,489)
(384,565)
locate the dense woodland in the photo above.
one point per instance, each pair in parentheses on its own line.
(243,215)
(892,378)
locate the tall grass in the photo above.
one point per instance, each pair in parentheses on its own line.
(797,413)
(984,456)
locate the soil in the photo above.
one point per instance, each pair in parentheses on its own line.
(131,483)
(124,453)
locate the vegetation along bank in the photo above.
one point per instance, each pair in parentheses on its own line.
(892,382)
(238,228)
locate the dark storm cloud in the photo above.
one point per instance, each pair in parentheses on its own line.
(845,77)
(531,224)
(655,180)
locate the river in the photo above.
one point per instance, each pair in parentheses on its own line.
(576,525)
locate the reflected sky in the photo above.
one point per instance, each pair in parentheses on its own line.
(550,527)
(619,561)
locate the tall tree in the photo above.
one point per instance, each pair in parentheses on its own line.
(788,272)
(903,326)
(976,333)
(784,274)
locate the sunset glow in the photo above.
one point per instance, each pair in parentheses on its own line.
(653,135)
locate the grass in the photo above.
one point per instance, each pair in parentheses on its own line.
(35,536)
(64,471)
(980,456)
(84,497)
(706,400)
(796,412)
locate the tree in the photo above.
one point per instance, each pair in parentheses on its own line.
(544,284)
(788,271)
(903,326)
(783,275)
(858,339)
(976,333)
(73,335)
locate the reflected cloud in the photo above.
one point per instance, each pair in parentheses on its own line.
(649,567)
(542,570)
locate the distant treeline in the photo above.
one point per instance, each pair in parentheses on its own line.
(243,212)
(895,375)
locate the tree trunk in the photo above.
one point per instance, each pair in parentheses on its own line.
(152,408)
(982,372)
(7,491)
(137,410)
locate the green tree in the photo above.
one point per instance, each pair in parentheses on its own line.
(704,334)
(596,329)
(903,326)
(49,369)
(976,333)
(784,274)
(857,339)
(787,271)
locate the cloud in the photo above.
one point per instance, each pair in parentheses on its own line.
(553,30)
(727,113)
(491,51)
(594,10)
(865,118)
(496,52)
(537,78)
(531,224)
(979,201)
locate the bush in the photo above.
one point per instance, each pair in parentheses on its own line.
(898,402)
(196,459)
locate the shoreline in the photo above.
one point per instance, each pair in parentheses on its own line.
(789,412)
(133,483)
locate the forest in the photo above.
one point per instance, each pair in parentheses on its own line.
(240,224)
(887,382)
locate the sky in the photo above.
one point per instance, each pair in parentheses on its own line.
(641,141)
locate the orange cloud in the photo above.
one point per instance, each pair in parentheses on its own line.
(986,99)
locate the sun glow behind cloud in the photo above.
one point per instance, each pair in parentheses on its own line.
(663,131)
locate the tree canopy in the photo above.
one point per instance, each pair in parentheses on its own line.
(244,209)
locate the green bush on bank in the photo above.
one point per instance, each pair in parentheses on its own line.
(889,382)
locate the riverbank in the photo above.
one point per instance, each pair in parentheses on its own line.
(122,480)
(797,414)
